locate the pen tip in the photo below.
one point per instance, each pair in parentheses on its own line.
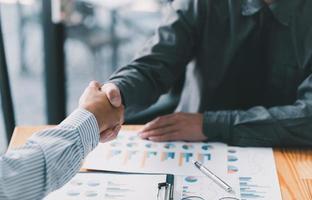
(196,163)
(231,191)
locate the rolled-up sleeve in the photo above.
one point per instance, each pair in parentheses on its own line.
(49,159)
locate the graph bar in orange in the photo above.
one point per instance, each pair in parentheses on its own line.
(163,156)
(181,160)
(126,158)
(144,159)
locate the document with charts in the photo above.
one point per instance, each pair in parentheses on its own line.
(250,171)
(255,170)
(102,186)
(128,153)
(204,188)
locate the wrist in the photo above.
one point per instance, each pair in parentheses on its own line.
(208,128)
(85,123)
(94,111)
(217,125)
(201,125)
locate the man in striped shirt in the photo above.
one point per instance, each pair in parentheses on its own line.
(50,158)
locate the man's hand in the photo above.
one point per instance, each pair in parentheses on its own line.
(173,127)
(109,118)
(178,126)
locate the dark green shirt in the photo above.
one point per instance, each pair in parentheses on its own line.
(252,73)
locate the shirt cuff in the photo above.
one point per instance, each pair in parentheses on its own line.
(217,126)
(86,125)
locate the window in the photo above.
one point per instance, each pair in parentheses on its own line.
(102,36)
(22,33)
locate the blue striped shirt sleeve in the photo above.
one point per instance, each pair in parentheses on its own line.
(49,159)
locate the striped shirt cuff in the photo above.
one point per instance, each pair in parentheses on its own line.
(87,126)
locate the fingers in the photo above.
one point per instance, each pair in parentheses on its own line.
(106,136)
(160,129)
(165,138)
(109,134)
(113,94)
(116,130)
(121,112)
(158,132)
(159,123)
(96,101)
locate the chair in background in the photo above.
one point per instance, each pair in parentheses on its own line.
(6,97)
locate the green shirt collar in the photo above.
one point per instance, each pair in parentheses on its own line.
(281,9)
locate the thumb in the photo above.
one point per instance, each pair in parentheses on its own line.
(113,94)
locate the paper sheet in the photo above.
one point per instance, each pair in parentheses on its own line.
(99,186)
(129,153)
(256,172)
(201,186)
(251,171)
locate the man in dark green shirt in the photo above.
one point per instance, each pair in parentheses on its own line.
(251,84)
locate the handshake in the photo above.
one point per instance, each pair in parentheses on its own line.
(105,104)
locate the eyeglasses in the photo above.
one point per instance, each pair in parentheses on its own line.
(200,198)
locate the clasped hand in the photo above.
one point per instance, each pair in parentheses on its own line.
(105,103)
(177,126)
(109,118)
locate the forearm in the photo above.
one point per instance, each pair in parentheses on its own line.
(49,159)
(164,58)
(278,126)
(288,125)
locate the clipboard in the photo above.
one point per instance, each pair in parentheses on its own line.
(166,189)
(116,185)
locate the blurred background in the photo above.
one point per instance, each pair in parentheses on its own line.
(100,36)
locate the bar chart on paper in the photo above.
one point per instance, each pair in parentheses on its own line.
(128,153)
(250,171)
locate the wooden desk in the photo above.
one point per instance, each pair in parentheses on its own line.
(294,167)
